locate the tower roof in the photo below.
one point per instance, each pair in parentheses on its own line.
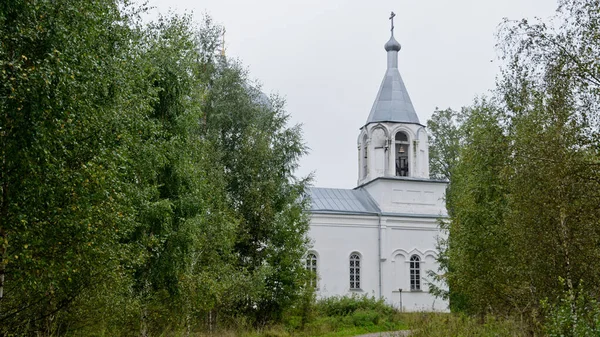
(393,103)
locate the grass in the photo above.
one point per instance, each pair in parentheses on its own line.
(447,324)
(281,332)
(421,325)
(331,317)
(353,316)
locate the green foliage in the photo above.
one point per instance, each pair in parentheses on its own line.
(477,235)
(67,72)
(348,305)
(443,325)
(145,186)
(365,315)
(260,154)
(575,314)
(345,316)
(444,142)
(524,187)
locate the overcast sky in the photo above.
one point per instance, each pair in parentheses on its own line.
(326,58)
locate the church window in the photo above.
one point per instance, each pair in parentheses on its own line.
(311,266)
(354,271)
(415,273)
(401,154)
(365,157)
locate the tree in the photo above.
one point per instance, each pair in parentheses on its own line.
(444,142)
(185,222)
(476,251)
(525,187)
(147,185)
(70,91)
(260,153)
(551,91)
(224,223)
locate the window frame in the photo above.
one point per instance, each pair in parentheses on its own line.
(355,266)
(406,155)
(415,273)
(311,263)
(365,157)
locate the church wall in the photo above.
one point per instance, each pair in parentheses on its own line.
(407,237)
(335,237)
(408,196)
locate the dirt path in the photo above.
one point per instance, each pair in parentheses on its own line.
(402,333)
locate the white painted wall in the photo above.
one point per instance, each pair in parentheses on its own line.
(335,237)
(405,195)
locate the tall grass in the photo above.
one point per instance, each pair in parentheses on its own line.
(356,315)
(446,324)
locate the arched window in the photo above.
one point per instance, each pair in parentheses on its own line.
(415,272)
(311,266)
(402,145)
(354,271)
(365,157)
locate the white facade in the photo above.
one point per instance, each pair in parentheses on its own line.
(390,218)
(385,243)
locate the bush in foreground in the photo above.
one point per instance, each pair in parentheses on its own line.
(575,314)
(342,316)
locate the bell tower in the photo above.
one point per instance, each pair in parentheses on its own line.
(393,142)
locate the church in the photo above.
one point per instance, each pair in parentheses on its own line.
(379,239)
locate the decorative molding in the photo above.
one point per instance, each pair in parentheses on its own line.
(411,135)
(344,225)
(414,251)
(379,126)
(415,228)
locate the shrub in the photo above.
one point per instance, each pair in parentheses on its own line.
(362,317)
(576,314)
(348,316)
(293,322)
(347,305)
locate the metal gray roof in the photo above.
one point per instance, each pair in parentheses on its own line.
(337,200)
(393,103)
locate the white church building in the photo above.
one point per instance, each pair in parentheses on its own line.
(379,239)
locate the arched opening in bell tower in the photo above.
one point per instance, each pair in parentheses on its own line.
(402,146)
(365,157)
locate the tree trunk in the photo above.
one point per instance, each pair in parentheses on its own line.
(3,217)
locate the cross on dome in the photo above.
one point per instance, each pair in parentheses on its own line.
(392,44)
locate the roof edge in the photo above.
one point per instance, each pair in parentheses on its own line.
(433,181)
(396,122)
(383,214)
(325,211)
